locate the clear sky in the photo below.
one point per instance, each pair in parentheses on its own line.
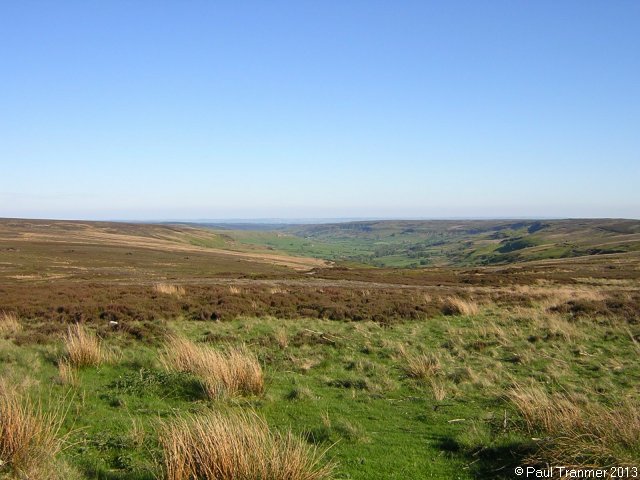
(218,109)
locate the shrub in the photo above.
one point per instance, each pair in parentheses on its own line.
(238,447)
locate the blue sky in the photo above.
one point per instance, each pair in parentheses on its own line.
(201,109)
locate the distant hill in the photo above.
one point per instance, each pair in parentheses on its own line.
(259,248)
(395,243)
(64,249)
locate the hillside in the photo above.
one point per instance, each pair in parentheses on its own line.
(450,242)
(434,372)
(41,249)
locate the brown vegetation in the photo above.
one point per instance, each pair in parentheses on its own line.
(459,306)
(168,289)
(9,323)
(67,373)
(83,347)
(423,366)
(438,389)
(577,431)
(238,447)
(29,437)
(230,372)
(175,239)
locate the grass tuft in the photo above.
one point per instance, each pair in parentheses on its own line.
(423,366)
(168,289)
(460,306)
(230,372)
(9,323)
(236,446)
(83,347)
(29,437)
(438,389)
(67,373)
(579,432)
(299,393)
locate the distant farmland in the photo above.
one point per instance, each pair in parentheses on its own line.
(417,244)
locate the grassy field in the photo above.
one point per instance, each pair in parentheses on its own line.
(415,244)
(121,354)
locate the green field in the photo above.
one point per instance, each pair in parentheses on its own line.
(434,372)
(416,244)
(345,387)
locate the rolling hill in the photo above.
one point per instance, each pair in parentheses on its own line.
(449,242)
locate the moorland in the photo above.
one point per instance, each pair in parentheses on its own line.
(378,349)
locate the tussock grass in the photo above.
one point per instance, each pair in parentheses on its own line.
(67,373)
(438,389)
(137,433)
(459,306)
(304,364)
(232,371)
(299,393)
(423,366)
(564,293)
(83,347)
(578,431)
(29,437)
(239,447)
(278,289)
(281,337)
(9,323)
(168,289)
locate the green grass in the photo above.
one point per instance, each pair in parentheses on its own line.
(216,241)
(344,386)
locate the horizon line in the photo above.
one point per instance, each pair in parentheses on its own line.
(312,220)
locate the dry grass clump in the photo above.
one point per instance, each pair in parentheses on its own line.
(422,367)
(542,411)
(83,347)
(557,326)
(67,373)
(577,431)
(438,389)
(281,337)
(230,372)
(168,289)
(137,433)
(277,289)
(9,323)
(560,294)
(238,447)
(459,306)
(29,437)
